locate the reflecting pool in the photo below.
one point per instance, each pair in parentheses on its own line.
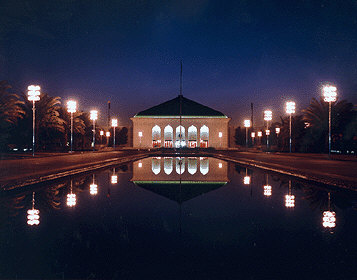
(179,218)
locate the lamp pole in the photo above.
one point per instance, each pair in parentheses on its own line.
(330,95)
(33,95)
(268,116)
(93,117)
(114,125)
(246,125)
(72,108)
(290,109)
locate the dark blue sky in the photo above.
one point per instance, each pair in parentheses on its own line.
(129,52)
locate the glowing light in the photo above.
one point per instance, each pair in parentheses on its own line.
(107,134)
(260,134)
(114,179)
(246,180)
(33,93)
(71,106)
(289,201)
(220,165)
(93,189)
(267,190)
(329,93)
(246,123)
(220,134)
(329,219)
(252,134)
(290,107)
(140,134)
(33,217)
(277,130)
(101,133)
(114,122)
(267,132)
(94,115)
(140,164)
(71,200)
(268,115)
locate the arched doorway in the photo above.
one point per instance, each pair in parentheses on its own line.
(156,136)
(192,136)
(204,136)
(168,136)
(180,137)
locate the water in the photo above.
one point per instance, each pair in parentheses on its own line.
(147,220)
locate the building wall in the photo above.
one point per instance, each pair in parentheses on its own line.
(215,126)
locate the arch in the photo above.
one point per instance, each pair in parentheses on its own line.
(192,136)
(204,136)
(168,136)
(204,165)
(155,165)
(180,165)
(168,165)
(156,136)
(180,137)
(192,165)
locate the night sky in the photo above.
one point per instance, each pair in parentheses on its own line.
(129,52)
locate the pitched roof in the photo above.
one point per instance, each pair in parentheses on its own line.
(172,108)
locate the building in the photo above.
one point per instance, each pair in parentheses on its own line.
(180,122)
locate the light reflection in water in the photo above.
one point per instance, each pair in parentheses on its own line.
(289,198)
(71,197)
(93,188)
(267,187)
(246,180)
(329,217)
(33,217)
(114,177)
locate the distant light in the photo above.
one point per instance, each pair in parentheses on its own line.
(71,200)
(289,201)
(246,123)
(267,190)
(33,217)
(268,115)
(71,106)
(329,219)
(246,180)
(107,134)
(260,134)
(140,164)
(277,130)
(114,122)
(290,107)
(252,134)
(114,179)
(33,93)
(267,132)
(220,134)
(329,93)
(94,115)
(140,134)
(220,165)
(93,189)
(101,133)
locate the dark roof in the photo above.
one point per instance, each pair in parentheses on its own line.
(172,108)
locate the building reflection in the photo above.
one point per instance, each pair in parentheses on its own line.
(180,178)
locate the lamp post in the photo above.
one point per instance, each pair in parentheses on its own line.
(33,93)
(290,109)
(114,125)
(93,117)
(71,108)
(246,125)
(330,95)
(268,116)
(253,137)
(101,136)
(107,134)
(260,134)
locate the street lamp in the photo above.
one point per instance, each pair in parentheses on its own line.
(290,109)
(260,134)
(33,215)
(330,95)
(253,137)
(246,125)
(93,117)
(101,136)
(114,125)
(277,130)
(268,116)
(107,134)
(33,93)
(71,108)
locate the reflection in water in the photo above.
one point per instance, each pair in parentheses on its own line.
(93,188)
(267,187)
(329,217)
(180,165)
(71,197)
(114,177)
(246,180)
(192,165)
(289,198)
(168,165)
(204,165)
(156,165)
(33,217)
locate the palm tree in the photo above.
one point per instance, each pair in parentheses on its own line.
(11,111)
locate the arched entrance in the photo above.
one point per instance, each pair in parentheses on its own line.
(168,136)
(180,137)
(192,136)
(204,136)
(156,136)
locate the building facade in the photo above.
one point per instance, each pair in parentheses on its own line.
(180,122)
